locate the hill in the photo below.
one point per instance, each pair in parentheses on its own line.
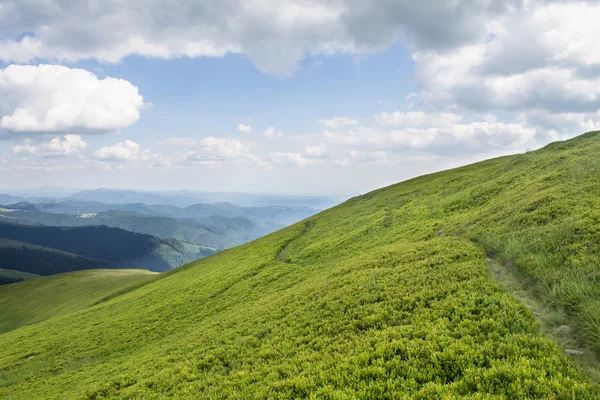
(34,301)
(10,276)
(388,295)
(39,260)
(212,232)
(47,250)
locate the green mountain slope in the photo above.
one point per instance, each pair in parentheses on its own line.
(51,250)
(34,301)
(385,296)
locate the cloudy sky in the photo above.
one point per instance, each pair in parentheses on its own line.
(296,96)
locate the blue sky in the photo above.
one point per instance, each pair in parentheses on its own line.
(288,96)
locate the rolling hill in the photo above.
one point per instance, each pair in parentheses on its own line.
(47,250)
(10,276)
(386,296)
(34,301)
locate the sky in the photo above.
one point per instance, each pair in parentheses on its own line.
(285,96)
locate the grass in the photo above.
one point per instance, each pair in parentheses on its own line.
(553,322)
(34,301)
(387,296)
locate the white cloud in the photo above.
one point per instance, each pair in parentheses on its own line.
(538,58)
(26,147)
(52,98)
(342,162)
(67,146)
(274,34)
(417,119)
(123,151)
(244,128)
(367,156)
(178,141)
(338,122)
(458,137)
(272,132)
(291,159)
(212,151)
(316,151)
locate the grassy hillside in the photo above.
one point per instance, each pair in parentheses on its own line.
(387,296)
(90,247)
(10,276)
(34,301)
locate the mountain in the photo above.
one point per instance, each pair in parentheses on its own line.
(388,295)
(187,198)
(211,232)
(34,301)
(47,250)
(272,214)
(8,276)
(8,199)
(40,260)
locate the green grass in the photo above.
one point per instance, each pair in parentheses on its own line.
(387,296)
(34,301)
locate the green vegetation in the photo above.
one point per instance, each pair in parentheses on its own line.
(10,276)
(47,250)
(387,296)
(37,300)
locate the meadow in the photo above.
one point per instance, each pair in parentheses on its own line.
(33,301)
(386,296)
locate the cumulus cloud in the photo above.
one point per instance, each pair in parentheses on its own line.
(342,162)
(273,132)
(244,128)
(123,151)
(367,156)
(68,145)
(458,137)
(274,34)
(53,98)
(291,159)
(316,151)
(417,119)
(26,147)
(212,151)
(536,58)
(338,122)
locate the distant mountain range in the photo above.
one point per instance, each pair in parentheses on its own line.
(45,250)
(215,232)
(172,198)
(45,236)
(278,214)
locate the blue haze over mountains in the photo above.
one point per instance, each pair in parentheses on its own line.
(62,229)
